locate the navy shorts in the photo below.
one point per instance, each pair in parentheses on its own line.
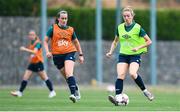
(36,67)
(59,59)
(129,59)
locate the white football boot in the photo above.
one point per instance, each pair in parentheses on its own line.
(78,94)
(112,99)
(149,95)
(73,98)
(16,93)
(52,94)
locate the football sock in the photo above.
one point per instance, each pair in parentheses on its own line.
(140,83)
(77,87)
(23,85)
(72,84)
(119,86)
(49,85)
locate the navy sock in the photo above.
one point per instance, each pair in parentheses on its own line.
(119,86)
(72,84)
(49,85)
(77,88)
(140,83)
(23,85)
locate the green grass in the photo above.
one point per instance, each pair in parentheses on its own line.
(93,99)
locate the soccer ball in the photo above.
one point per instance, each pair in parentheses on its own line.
(122,99)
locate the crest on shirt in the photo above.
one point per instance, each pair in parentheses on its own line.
(126,36)
(63,34)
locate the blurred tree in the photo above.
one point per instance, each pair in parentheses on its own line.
(19,7)
(145,1)
(35,7)
(79,2)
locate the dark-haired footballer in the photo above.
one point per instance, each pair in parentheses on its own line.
(64,45)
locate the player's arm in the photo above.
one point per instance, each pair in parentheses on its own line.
(147,43)
(22,48)
(113,46)
(146,38)
(46,39)
(48,53)
(78,47)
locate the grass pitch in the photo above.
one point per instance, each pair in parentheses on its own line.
(93,99)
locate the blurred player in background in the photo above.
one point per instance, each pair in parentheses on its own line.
(133,42)
(36,65)
(64,45)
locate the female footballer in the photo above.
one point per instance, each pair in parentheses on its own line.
(64,44)
(36,65)
(133,42)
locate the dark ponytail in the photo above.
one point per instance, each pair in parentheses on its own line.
(56,19)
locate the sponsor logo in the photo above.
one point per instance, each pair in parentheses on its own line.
(127,44)
(126,36)
(62,43)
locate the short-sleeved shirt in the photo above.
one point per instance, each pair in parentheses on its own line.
(50,32)
(62,39)
(142,32)
(38,45)
(38,56)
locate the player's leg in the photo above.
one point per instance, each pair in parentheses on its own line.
(65,63)
(23,85)
(77,92)
(49,84)
(122,68)
(133,69)
(69,68)
(63,73)
(121,71)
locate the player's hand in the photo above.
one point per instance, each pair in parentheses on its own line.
(135,49)
(49,54)
(81,59)
(22,48)
(31,57)
(109,54)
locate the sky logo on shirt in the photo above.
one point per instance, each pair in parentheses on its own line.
(62,43)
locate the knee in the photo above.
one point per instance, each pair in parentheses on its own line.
(68,73)
(121,76)
(26,77)
(133,74)
(45,78)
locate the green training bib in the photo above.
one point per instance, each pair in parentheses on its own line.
(131,39)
